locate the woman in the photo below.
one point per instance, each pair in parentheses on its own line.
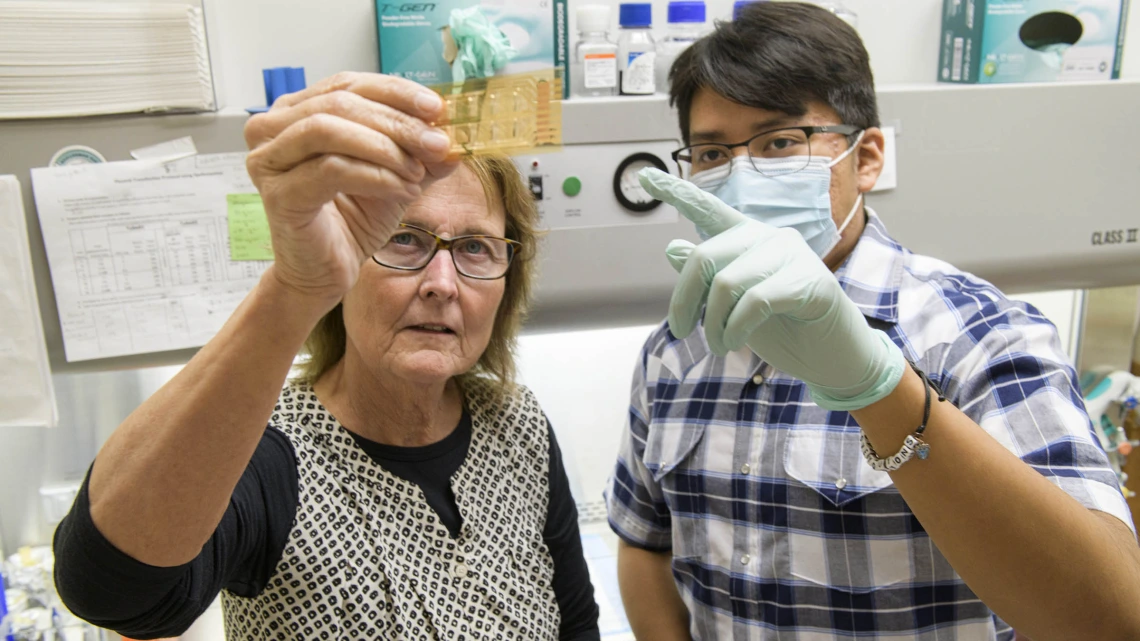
(404,489)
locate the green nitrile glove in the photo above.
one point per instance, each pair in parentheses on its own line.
(482,48)
(764,288)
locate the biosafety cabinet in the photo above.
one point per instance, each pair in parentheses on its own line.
(1033,187)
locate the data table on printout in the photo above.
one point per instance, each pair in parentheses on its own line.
(139,252)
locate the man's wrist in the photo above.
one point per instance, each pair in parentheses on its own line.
(889,421)
(887,368)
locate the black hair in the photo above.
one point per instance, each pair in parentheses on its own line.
(779,56)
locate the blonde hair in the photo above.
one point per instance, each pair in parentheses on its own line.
(503,184)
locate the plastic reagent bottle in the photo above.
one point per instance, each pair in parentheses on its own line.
(686,25)
(636,49)
(595,57)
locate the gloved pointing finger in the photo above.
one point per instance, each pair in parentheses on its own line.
(708,213)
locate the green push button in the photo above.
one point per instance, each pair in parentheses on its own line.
(572,186)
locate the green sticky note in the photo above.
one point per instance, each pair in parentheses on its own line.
(249,228)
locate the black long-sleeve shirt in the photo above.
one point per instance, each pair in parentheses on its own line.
(100,583)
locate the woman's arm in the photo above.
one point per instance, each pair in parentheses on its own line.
(102,585)
(335,164)
(572,586)
(162,482)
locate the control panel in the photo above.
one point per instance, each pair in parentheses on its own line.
(595,185)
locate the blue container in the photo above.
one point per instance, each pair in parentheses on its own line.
(282,80)
(686,11)
(636,14)
(4,606)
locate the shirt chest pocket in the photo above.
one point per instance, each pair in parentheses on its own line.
(855,532)
(673,458)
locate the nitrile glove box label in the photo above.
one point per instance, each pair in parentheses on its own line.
(412,36)
(1001,41)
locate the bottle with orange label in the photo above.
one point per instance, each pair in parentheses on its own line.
(595,71)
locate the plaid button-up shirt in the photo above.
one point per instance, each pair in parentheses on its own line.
(777,526)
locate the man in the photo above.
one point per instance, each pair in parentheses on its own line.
(786,472)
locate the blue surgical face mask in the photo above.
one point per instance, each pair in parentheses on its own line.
(800,200)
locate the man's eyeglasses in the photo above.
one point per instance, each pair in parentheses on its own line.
(411,248)
(772,153)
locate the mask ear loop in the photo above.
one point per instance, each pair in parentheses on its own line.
(859,200)
(847,221)
(853,147)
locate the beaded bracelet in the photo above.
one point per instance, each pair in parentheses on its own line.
(913,444)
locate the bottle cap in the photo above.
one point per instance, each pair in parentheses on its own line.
(593,18)
(636,14)
(686,11)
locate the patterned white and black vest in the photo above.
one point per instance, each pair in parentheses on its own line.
(367,558)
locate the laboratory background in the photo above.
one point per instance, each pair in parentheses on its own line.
(1044,159)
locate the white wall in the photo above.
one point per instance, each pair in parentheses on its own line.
(325,37)
(582,381)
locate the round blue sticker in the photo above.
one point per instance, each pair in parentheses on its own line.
(76,155)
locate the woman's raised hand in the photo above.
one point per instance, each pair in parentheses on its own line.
(336,164)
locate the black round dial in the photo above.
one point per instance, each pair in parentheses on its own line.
(628,189)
